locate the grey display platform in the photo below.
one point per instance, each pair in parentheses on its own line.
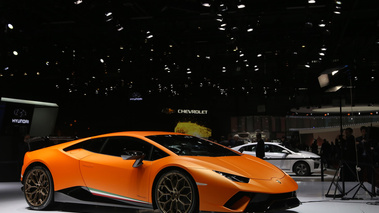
(311,193)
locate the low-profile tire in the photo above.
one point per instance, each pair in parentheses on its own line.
(39,188)
(301,168)
(175,192)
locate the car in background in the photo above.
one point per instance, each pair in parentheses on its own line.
(172,172)
(289,160)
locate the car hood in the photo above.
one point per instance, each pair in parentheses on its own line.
(245,165)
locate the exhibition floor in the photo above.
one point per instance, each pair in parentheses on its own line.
(311,193)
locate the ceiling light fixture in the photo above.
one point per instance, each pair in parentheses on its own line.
(78,2)
(240,5)
(206,4)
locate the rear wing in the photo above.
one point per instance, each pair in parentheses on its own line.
(36,143)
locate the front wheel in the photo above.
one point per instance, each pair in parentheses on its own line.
(38,188)
(175,192)
(301,168)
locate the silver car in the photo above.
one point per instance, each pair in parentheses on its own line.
(289,160)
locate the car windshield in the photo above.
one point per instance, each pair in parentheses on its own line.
(191,146)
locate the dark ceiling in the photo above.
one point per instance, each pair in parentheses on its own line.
(69,51)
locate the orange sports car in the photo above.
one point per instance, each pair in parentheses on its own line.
(171,172)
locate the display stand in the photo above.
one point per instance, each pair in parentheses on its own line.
(339,190)
(338,176)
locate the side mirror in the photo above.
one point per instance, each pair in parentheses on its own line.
(134,155)
(285,151)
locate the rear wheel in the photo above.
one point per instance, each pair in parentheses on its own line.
(301,168)
(175,192)
(38,188)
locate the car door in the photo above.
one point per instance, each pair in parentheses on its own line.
(275,155)
(107,174)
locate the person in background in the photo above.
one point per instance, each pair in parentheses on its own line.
(224,141)
(285,142)
(365,150)
(314,147)
(348,155)
(364,146)
(260,151)
(325,152)
(235,141)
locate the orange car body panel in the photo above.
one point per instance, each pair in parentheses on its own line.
(80,167)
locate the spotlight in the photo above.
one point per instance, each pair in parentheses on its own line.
(206,4)
(119,27)
(78,2)
(149,35)
(240,5)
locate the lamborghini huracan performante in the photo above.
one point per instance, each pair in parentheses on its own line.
(171,172)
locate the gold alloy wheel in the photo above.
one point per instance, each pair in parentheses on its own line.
(175,193)
(37,187)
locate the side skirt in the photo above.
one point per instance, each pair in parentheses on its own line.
(82,195)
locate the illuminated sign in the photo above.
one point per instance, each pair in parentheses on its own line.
(192,111)
(20,115)
(135,96)
(20,121)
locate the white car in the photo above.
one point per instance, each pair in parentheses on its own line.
(304,163)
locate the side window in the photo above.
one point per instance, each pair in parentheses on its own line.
(158,154)
(268,148)
(276,149)
(117,146)
(92,145)
(250,148)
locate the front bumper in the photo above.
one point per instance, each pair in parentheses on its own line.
(260,202)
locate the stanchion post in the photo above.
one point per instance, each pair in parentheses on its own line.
(322,170)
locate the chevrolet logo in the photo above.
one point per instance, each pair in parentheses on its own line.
(279,181)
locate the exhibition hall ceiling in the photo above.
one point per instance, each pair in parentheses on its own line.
(265,49)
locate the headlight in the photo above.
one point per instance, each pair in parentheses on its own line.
(234,177)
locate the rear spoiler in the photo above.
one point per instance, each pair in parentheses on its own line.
(36,143)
